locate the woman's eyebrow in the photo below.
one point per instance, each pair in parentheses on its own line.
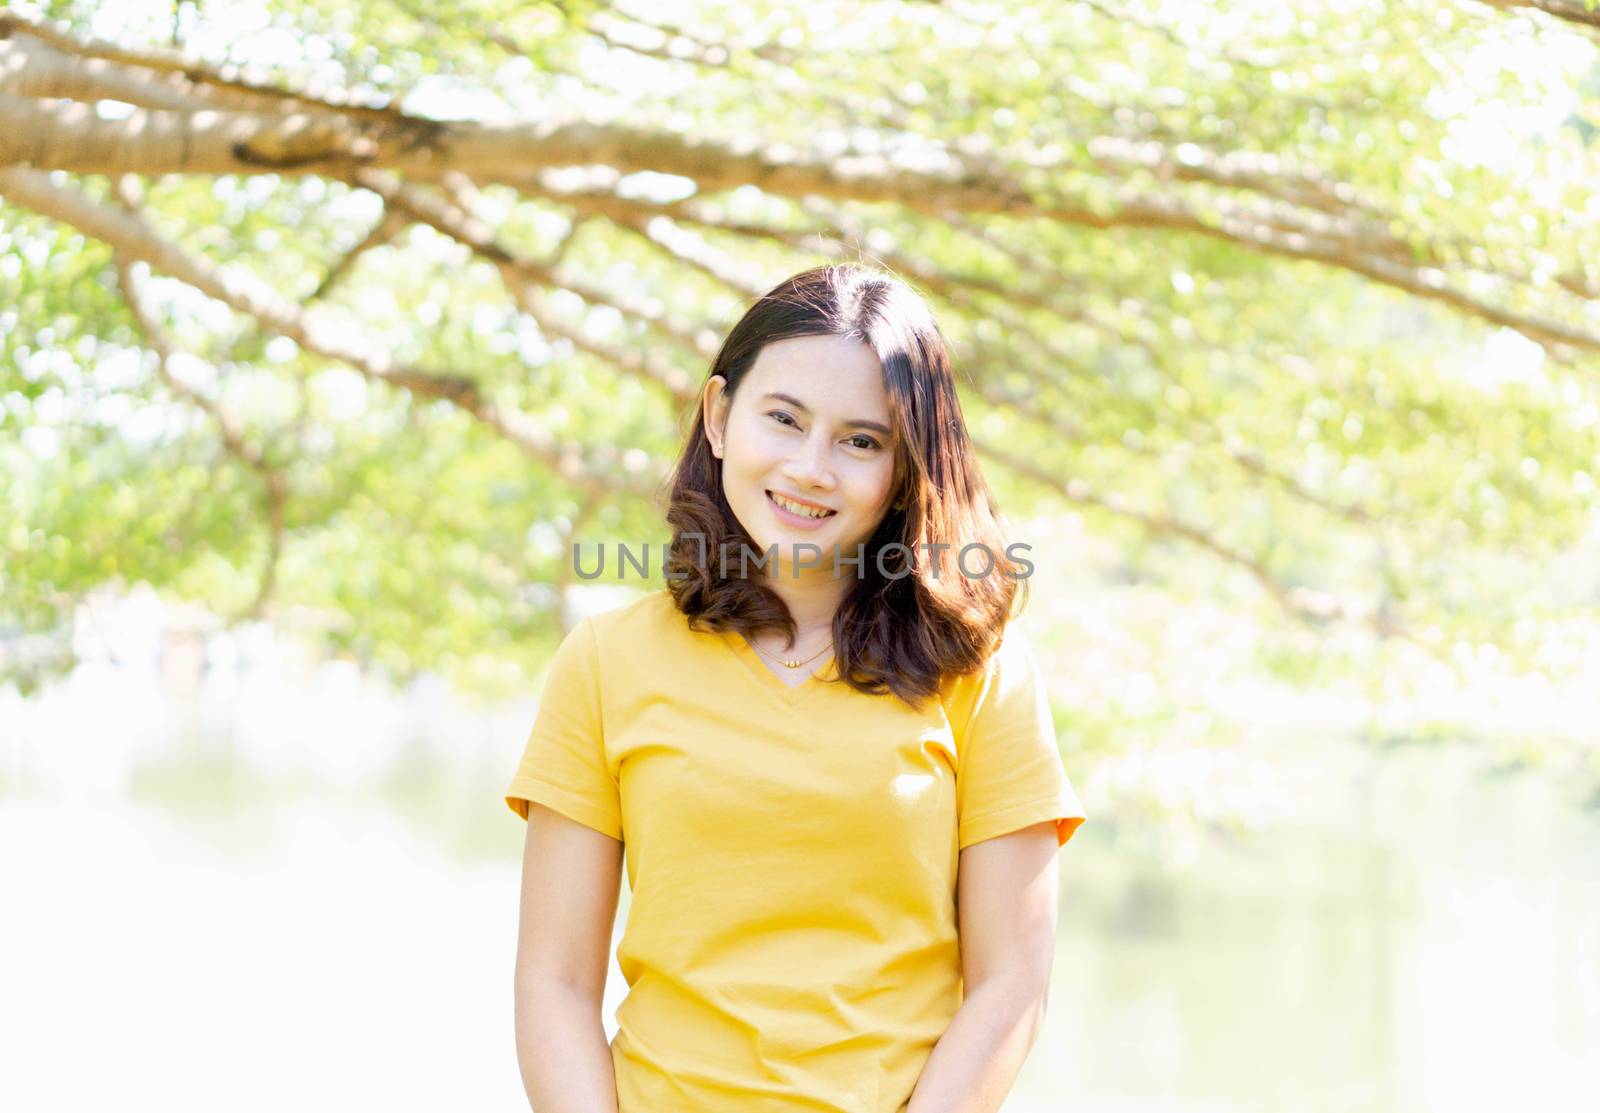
(799,405)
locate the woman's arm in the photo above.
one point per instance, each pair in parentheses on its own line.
(570,879)
(1006,908)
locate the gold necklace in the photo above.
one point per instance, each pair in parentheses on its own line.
(791,664)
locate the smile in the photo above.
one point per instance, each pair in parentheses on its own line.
(798,510)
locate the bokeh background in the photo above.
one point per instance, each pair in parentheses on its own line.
(329,328)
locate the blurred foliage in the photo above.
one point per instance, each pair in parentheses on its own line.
(1413,458)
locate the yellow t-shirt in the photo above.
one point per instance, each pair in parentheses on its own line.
(791,945)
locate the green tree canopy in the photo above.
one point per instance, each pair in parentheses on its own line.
(356,315)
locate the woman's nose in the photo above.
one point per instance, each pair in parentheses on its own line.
(809,464)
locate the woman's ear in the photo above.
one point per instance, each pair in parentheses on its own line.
(714,412)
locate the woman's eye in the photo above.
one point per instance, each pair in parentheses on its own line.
(860,440)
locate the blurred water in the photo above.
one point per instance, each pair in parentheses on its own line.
(296,890)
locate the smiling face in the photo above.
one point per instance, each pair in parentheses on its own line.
(810,426)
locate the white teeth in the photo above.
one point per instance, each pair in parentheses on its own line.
(796,508)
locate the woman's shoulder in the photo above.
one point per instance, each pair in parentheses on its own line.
(1012,656)
(641,646)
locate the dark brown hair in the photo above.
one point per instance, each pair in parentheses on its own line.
(909,634)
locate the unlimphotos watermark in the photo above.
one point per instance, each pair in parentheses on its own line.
(976,568)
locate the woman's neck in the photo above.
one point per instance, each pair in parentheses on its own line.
(813,598)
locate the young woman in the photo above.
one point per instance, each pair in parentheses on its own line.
(834,773)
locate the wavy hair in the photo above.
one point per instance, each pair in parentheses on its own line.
(925,622)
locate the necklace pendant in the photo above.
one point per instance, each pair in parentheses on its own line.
(792,664)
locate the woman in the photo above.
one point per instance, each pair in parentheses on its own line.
(819,767)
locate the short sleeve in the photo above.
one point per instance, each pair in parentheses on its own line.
(1009,773)
(564,763)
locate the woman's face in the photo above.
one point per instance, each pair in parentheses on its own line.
(810,423)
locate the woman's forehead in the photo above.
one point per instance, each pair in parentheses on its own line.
(827,375)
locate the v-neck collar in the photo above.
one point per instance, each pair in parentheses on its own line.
(790,694)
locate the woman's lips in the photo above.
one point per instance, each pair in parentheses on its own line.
(790,518)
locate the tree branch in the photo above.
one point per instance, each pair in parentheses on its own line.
(1304,603)
(1302,216)
(520,273)
(1569,11)
(33,69)
(228,86)
(275,485)
(388,226)
(129,235)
